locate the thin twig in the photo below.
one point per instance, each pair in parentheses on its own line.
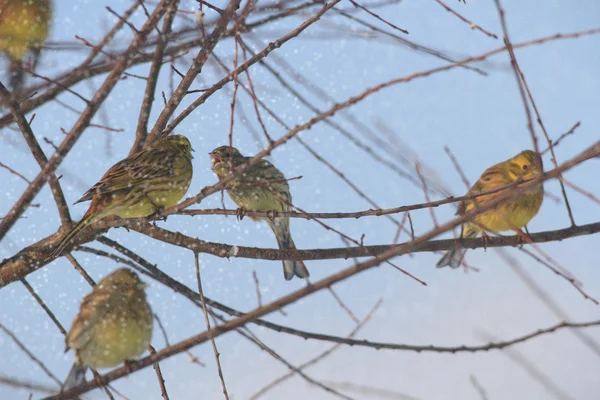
(214,345)
(159,376)
(41,302)
(355,4)
(30,354)
(471,24)
(478,388)
(141,131)
(318,358)
(38,154)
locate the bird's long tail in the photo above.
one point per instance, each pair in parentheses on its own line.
(291,268)
(87,219)
(75,378)
(17,75)
(453,258)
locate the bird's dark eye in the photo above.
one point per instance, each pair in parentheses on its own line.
(525,166)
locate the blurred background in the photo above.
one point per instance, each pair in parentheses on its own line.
(477,113)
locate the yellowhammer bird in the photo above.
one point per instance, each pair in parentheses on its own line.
(24,26)
(515,213)
(157,177)
(261,188)
(114,325)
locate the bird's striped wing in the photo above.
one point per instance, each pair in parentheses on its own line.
(263,170)
(92,310)
(134,170)
(493,177)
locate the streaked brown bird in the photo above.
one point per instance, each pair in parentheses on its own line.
(114,325)
(261,188)
(144,183)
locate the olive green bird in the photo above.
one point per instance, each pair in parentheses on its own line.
(261,188)
(144,183)
(114,325)
(24,27)
(515,213)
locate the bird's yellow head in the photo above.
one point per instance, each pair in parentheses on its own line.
(123,281)
(222,157)
(179,142)
(525,165)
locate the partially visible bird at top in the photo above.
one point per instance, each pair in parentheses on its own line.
(143,184)
(261,188)
(516,212)
(24,27)
(114,325)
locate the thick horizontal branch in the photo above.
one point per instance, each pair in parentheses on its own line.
(35,256)
(232,251)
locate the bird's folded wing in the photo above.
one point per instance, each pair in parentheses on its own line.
(132,172)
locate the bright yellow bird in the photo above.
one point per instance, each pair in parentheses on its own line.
(157,177)
(515,213)
(261,188)
(114,325)
(24,26)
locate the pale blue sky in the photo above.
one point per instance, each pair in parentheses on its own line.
(480,117)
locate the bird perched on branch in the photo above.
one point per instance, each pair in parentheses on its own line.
(114,325)
(261,188)
(24,26)
(514,213)
(144,183)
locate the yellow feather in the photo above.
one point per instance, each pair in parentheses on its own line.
(513,214)
(24,24)
(113,325)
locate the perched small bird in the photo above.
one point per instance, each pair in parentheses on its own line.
(157,177)
(261,188)
(24,26)
(516,212)
(114,325)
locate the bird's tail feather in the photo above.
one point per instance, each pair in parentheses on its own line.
(453,258)
(75,378)
(291,268)
(85,221)
(17,75)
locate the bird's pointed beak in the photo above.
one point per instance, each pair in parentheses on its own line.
(214,158)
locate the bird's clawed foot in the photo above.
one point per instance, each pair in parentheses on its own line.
(158,217)
(523,238)
(240,213)
(157,210)
(163,217)
(271,214)
(129,364)
(485,238)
